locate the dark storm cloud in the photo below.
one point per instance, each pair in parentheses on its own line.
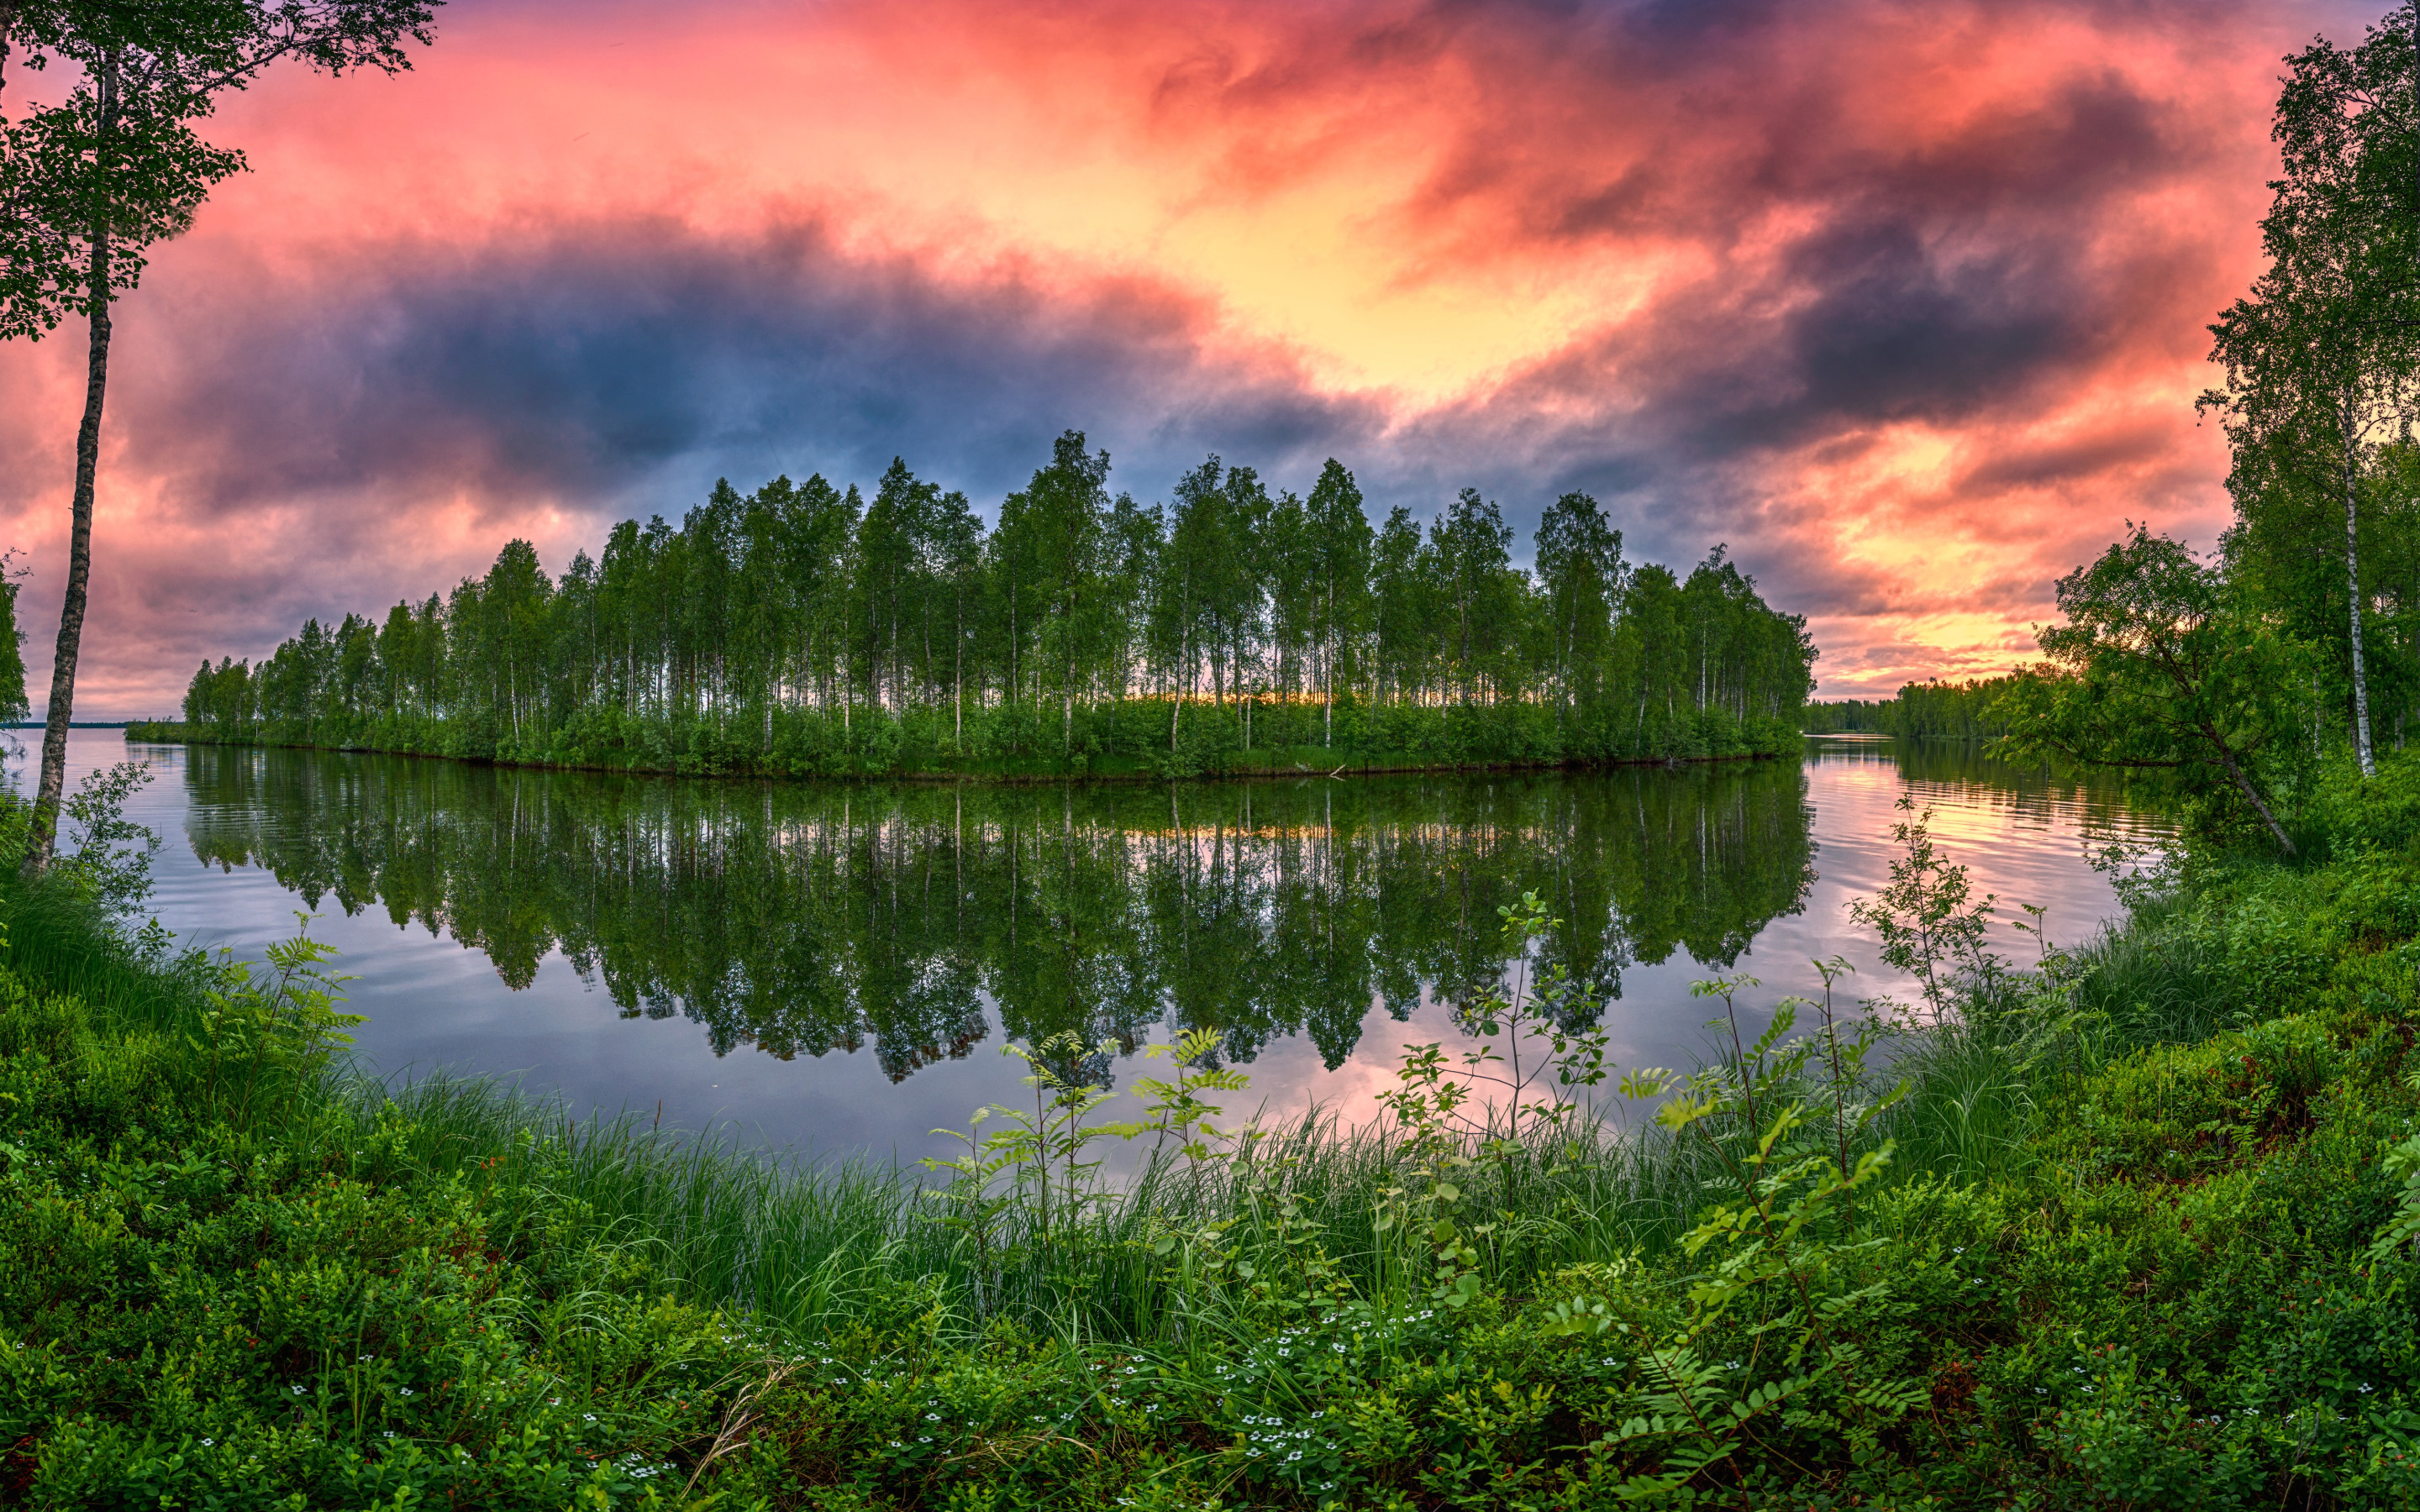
(607,357)
(1904,300)
(1938,279)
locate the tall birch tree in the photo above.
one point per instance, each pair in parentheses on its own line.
(89,184)
(2321,357)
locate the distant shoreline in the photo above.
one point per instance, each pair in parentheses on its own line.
(1283,762)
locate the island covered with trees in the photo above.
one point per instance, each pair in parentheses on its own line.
(809,629)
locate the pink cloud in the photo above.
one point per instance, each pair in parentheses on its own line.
(1903,303)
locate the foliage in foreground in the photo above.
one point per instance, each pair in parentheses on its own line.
(2131,1226)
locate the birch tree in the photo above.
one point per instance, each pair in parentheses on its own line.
(87,186)
(2321,357)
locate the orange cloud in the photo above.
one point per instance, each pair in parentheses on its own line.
(1904,302)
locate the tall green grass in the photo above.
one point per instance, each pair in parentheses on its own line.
(1983,1083)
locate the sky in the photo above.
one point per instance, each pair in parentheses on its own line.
(1903,303)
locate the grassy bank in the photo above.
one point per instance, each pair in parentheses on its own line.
(1134,739)
(2129,1226)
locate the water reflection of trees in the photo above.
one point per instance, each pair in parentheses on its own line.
(1958,773)
(805,919)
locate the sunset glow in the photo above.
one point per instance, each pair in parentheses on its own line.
(1904,302)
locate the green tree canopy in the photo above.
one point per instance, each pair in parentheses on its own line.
(2159,666)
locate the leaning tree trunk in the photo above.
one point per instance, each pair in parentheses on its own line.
(2361,745)
(43,836)
(2244,784)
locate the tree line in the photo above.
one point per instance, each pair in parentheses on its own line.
(1930,710)
(812,629)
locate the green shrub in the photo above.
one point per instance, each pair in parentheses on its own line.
(2174,1111)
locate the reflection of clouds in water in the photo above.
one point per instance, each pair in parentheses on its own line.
(2026,834)
(757,915)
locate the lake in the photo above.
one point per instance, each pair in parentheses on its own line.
(837,967)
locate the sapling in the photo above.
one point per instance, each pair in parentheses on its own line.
(1847,1068)
(1770,1236)
(1726,988)
(289,1016)
(1178,1111)
(1438,1139)
(1930,922)
(975,1207)
(1547,1023)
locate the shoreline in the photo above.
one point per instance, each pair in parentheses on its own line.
(1381,766)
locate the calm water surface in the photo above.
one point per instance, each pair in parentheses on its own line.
(837,967)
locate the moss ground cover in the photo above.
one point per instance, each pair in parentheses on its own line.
(2129,1225)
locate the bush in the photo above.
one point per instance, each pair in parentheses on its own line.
(2170,1112)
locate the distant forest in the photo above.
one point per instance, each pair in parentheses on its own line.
(1921,711)
(805,628)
